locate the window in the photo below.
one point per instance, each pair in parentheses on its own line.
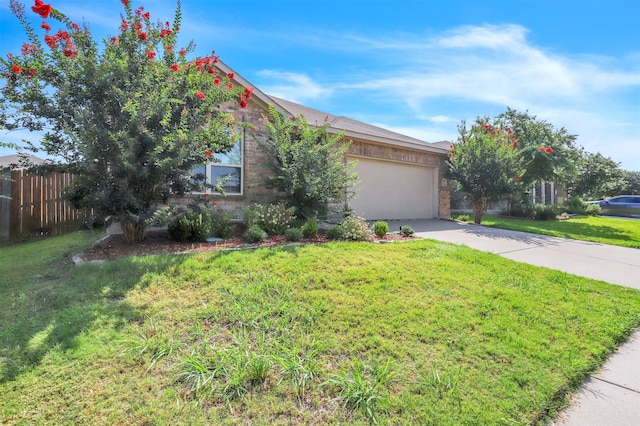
(227,167)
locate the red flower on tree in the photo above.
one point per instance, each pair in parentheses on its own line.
(200,95)
(45,26)
(243,103)
(248,92)
(142,35)
(183,52)
(231,75)
(151,54)
(33,71)
(42,9)
(549,150)
(16,69)
(208,153)
(216,81)
(175,67)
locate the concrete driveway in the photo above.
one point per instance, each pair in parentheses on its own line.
(616,265)
(612,395)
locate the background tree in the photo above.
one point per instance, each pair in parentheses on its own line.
(131,116)
(597,177)
(486,164)
(307,164)
(547,153)
(632,183)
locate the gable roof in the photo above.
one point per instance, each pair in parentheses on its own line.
(18,160)
(352,128)
(356,129)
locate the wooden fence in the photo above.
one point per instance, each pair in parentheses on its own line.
(32,204)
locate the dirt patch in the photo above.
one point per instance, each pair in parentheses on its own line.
(158,242)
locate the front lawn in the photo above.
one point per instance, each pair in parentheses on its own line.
(419,332)
(597,229)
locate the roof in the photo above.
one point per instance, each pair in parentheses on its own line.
(7,160)
(352,128)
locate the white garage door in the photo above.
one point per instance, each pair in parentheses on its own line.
(391,190)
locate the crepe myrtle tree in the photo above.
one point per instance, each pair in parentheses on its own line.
(307,164)
(130,115)
(486,163)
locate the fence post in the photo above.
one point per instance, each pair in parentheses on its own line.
(5,204)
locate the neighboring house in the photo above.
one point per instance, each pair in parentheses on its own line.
(16,161)
(400,177)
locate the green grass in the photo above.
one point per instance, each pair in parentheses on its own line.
(420,332)
(598,229)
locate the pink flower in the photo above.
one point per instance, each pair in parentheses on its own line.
(125,2)
(169,49)
(201,95)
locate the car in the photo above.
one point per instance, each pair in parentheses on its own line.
(622,205)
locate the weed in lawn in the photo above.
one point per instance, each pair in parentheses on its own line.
(151,343)
(363,387)
(299,365)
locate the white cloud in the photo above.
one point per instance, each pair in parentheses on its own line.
(292,86)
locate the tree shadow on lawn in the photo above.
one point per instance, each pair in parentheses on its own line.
(50,314)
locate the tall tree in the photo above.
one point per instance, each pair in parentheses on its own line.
(131,115)
(533,134)
(486,164)
(598,177)
(307,164)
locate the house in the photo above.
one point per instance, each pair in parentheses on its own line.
(400,177)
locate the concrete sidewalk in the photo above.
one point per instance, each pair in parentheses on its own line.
(612,395)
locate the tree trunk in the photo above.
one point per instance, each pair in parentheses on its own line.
(133,228)
(479,208)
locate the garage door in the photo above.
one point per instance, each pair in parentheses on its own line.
(391,190)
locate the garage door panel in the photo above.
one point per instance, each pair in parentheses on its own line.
(390,190)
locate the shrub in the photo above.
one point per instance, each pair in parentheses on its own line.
(407,231)
(274,219)
(593,210)
(254,234)
(189,224)
(335,233)
(355,228)
(310,228)
(544,212)
(221,224)
(293,234)
(380,228)
(576,205)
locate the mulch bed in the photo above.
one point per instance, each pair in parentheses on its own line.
(158,242)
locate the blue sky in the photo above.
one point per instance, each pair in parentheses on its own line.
(419,67)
